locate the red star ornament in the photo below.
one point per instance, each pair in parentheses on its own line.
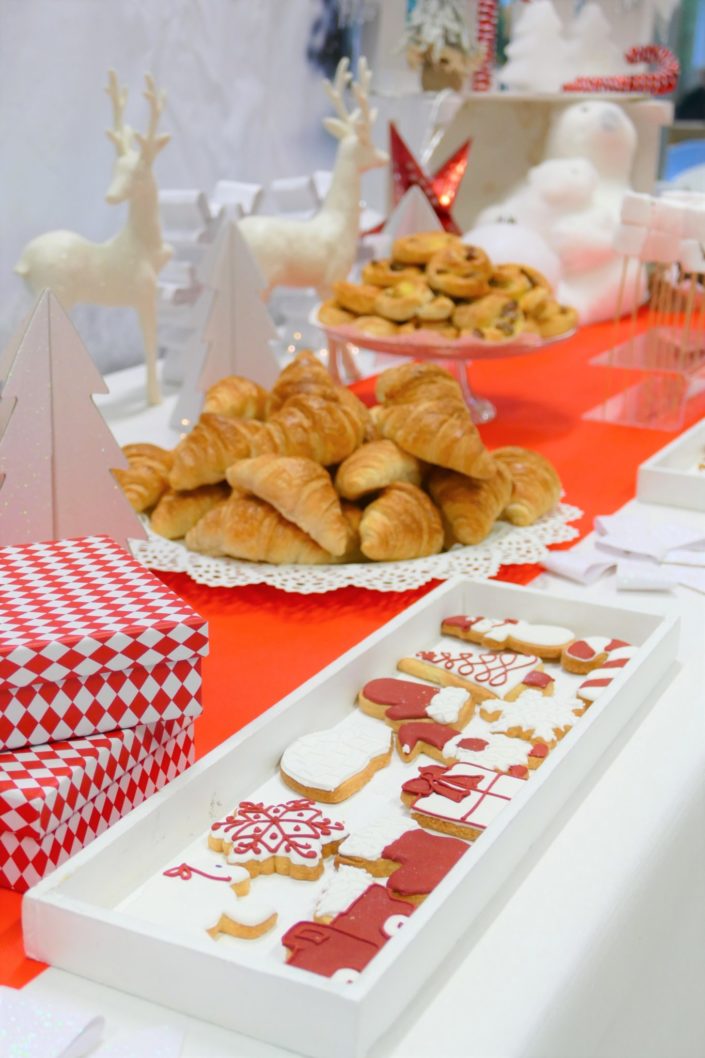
(440,189)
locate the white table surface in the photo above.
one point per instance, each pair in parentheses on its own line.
(596,948)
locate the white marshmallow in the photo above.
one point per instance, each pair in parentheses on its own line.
(691,257)
(661,247)
(636,208)
(668,216)
(629,239)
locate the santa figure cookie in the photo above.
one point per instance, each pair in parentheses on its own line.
(545,641)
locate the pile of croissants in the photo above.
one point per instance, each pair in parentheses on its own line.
(308,474)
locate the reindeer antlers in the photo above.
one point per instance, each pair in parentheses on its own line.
(151,144)
(120,135)
(360,120)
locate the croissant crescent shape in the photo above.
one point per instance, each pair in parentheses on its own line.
(438,433)
(373,466)
(146,477)
(177,512)
(323,428)
(204,455)
(305,374)
(536,485)
(248,528)
(301,491)
(401,523)
(236,397)
(414,382)
(470,506)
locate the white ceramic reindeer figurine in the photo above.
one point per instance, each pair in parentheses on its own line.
(123,270)
(319,251)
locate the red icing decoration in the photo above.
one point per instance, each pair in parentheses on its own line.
(461,621)
(540,750)
(537,679)
(475,744)
(186,873)
(518,771)
(351,940)
(440,189)
(490,669)
(616,644)
(432,779)
(435,735)
(660,81)
(406,700)
(293,827)
(424,860)
(616,663)
(582,650)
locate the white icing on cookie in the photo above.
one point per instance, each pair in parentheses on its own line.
(340,889)
(542,715)
(523,631)
(446,706)
(481,803)
(499,753)
(324,760)
(247,911)
(368,842)
(296,830)
(599,680)
(499,672)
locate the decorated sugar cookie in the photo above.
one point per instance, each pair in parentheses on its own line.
(599,679)
(419,737)
(503,674)
(479,744)
(340,889)
(399,701)
(462,799)
(247,918)
(546,641)
(332,765)
(363,848)
(584,655)
(236,877)
(342,948)
(535,717)
(290,838)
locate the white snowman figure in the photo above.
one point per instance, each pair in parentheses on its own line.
(573,200)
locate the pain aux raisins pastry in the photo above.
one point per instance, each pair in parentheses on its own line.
(434,282)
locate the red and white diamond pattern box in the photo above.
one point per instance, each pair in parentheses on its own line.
(25,860)
(89,641)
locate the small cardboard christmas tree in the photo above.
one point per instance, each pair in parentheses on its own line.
(537,54)
(591,49)
(55,449)
(238,333)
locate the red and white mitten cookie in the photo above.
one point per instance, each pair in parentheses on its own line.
(546,641)
(399,701)
(290,838)
(332,765)
(462,799)
(534,717)
(414,862)
(342,948)
(503,674)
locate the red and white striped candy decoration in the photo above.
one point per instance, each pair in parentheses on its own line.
(487,12)
(660,81)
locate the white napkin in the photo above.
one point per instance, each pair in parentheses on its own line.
(629,532)
(160,1041)
(633,575)
(31,1029)
(584,563)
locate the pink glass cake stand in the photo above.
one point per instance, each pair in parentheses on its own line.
(456,354)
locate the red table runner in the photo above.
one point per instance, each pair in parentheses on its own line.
(264,642)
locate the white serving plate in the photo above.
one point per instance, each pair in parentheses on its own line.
(671,476)
(75,919)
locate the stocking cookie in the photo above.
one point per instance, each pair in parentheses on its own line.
(584,655)
(399,701)
(344,947)
(340,889)
(546,641)
(534,717)
(503,674)
(462,799)
(332,765)
(290,838)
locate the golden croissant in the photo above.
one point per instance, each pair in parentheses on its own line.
(237,397)
(305,374)
(302,492)
(416,382)
(323,428)
(536,485)
(373,466)
(203,456)
(146,477)
(177,512)
(246,527)
(401,523)
(438,432)
(469,506)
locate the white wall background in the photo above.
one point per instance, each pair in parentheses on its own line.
(243,103)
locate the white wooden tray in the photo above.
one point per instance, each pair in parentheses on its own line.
(672,475)
(75,919)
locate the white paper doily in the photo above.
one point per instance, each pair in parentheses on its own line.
(506,544)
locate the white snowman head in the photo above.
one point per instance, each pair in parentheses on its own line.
(564,183)
(598,131)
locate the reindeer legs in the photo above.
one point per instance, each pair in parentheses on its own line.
(147,312)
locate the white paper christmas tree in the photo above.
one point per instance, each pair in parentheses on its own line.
(55,449)
(238,333)
(412,213)
(591,49)
(538,51)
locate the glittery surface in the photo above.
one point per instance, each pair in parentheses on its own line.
(31,1029)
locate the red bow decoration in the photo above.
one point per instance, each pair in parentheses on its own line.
(434,779)
(440,189)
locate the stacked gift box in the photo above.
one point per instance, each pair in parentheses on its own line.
(100,684)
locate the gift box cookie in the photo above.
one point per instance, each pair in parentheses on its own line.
(91,641)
